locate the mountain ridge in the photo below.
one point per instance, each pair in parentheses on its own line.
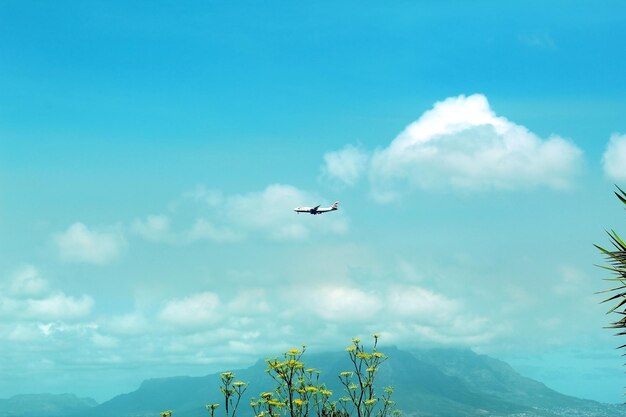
(52,405)
(428,383)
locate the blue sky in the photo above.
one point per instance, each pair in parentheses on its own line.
(150,156)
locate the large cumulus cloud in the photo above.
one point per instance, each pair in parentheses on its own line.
(460,143)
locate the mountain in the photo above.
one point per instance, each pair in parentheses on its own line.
(428,383)
(493,377)
(49,405)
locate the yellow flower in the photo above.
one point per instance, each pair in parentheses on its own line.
(239,384)
(363,355)
(351,348)
(376,335)
(212,406)
(356,340)
(311,389)
(167,413)
(346,374)
(326,392)
(292,363)
(298,402)
(293,352)
(378,355)
(275,403)
(310,370)
(352,386)
(267,394)
(371,402)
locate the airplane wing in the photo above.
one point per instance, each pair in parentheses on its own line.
(316,207)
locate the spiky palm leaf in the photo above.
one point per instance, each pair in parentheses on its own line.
(616,259)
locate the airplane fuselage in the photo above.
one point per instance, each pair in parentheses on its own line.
(316,210)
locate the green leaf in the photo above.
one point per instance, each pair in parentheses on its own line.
(621,197)
(621,303)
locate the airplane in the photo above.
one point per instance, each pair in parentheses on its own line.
(316,209)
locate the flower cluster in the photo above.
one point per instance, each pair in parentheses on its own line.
(299,392)
(362,398)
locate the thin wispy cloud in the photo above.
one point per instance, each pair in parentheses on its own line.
(226,218)
(204,229)
(58,306)
(27,282)
(537,40)
(195,311)
(82,244)
(153,227)
(460,144)
(129,324)
(347,165)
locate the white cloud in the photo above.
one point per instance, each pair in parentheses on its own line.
(267,213)
(207,196)
(461,143)
(60,328)
(24,333)
(30,298)
(249,323)
(196,311)
(342,303)
(318,314)
(614,158)
(27,282)
(571,283)
(203,229)
(538,40)
(249,301)
(154,227)
(80,244)
(346,165)
(408,314)
(59,306)
(223,218)
(421,304)
(463,331)
(270,211)
(126,324)
(104,341)
(157,228)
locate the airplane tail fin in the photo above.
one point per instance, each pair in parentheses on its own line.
(334,206)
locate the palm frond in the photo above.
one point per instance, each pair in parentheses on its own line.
(621,195)
(615,259)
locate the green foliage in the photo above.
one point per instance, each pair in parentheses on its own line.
(616,258)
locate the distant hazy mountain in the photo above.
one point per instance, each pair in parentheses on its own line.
(433,383)
(493,377)
(45,405)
